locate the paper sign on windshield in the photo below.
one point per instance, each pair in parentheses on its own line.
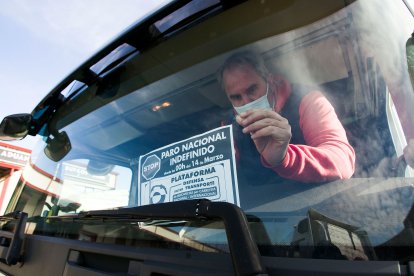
(202,166)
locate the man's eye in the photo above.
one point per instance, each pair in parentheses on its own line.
(252,89)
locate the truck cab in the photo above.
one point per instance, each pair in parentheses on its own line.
(139,170)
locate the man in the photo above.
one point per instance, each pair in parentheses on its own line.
(290,131)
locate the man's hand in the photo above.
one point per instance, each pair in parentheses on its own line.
(270,133)
(409,153)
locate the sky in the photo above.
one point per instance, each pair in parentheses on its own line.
(43,41)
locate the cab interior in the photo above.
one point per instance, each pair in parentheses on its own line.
(322,55)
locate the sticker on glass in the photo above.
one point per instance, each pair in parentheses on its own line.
(202,166)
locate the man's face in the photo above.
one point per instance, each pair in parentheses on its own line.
(243,85)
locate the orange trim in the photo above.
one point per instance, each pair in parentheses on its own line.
(39,170)
(4,189)
(34,187)
(15,147)
(10,166)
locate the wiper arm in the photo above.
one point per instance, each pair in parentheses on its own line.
(244,252)
(11,241)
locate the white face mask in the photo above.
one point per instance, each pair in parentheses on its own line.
(260,103)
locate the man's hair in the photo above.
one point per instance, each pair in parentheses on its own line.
(240,59)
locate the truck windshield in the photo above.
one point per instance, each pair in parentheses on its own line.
(299,112)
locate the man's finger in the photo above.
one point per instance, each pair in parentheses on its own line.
(283,124)
(256,115)
(274,133)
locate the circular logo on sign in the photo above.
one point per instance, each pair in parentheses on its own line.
(151,166)
(158,194)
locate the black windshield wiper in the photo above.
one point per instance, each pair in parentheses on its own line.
(12,236)
(244,252)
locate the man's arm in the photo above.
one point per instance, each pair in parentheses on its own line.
(327,154)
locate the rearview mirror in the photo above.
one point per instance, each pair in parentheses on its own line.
(57,146)
(15,127)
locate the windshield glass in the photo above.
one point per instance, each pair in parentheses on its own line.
(299,112)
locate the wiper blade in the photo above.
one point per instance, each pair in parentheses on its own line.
(11,240)
(244,252)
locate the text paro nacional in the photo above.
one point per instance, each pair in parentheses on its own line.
(193,149)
